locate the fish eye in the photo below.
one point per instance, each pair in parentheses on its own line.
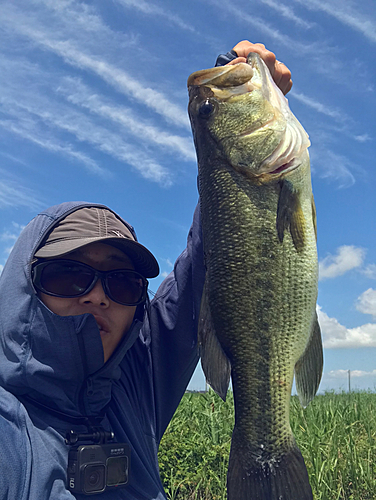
(206,109)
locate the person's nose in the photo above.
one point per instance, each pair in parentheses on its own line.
(96,296)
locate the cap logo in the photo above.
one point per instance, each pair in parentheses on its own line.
(118,234)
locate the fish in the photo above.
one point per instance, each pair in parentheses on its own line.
(258,323)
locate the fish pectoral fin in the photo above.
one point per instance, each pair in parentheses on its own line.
(308,369)
(290,215)
(214,362)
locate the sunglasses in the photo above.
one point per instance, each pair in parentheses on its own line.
(69,278)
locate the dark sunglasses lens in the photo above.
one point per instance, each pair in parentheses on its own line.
(66,279)
(125,287)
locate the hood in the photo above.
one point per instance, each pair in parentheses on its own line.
(56,361)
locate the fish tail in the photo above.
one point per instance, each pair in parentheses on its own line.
(282,479)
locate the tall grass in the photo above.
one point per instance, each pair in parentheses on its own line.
(336,434)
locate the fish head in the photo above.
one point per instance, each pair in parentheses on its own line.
(238,112)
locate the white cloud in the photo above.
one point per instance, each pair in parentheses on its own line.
(349,13)
(44,121)
(27,128)
(9,236)
(13,194)
(332,166)
(348,257)
(6,235)
(336,335)
(169,263)
(288,13)
(370,271)
(116,77)
(79,94)
(366,302)
(76,33)
(363,138)
(324,109)
(170,266)
(343,374)
(265,27)
(121,80)
(154,10)
(38,114)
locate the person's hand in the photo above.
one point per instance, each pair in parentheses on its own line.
(280,73)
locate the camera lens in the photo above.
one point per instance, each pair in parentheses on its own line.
(94,478)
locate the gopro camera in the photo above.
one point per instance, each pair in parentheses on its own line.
(94,468)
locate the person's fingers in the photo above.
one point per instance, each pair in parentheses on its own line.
(236,61)
(282,77)
(279,71)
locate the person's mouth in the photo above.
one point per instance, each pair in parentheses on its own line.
(102,324)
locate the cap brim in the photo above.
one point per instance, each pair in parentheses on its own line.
(143,260)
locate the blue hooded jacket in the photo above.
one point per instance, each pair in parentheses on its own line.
(57,362)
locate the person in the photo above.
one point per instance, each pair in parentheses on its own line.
(84,355)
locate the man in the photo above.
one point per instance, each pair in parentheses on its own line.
(83,351)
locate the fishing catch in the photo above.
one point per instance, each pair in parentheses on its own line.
(258,321)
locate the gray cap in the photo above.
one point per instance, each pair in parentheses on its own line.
(92,224)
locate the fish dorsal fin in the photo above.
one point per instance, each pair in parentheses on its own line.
(215,364)
(308,369)
(290,215)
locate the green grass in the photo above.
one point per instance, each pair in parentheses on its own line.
(336,434)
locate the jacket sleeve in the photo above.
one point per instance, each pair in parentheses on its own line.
(13,464)
(173,326)
(31,466)
(223,59)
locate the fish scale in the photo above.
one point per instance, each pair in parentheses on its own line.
(257,319)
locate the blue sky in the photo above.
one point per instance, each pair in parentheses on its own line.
(93,107)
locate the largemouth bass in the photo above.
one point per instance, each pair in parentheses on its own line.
(258,313)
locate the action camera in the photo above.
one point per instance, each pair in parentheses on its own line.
(94,468)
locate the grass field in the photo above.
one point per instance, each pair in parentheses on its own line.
(336,434)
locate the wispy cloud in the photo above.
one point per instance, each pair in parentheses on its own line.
(10,237)
(155,10)
(80,94)
(103,139)
(366,302)
(28,129)
(336,335)
(42,117)
(348,257)
(66,29)
(324,109)
(263,26)
(332,166)
(288,13)
(370,271)
(342,123)
(347,12)
(118,78)
(168,265)
(13,194)
(70,35)
(363,138)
